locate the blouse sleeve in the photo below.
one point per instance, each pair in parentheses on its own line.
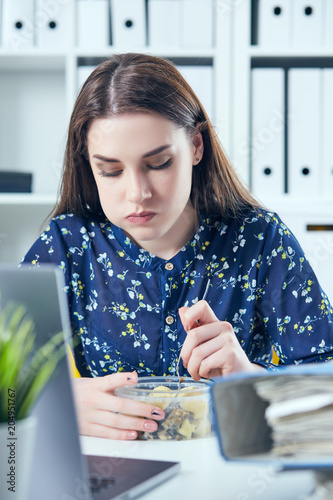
(53,247)
(293,311)
(48,248)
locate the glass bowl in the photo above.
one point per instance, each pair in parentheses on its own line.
(187,410)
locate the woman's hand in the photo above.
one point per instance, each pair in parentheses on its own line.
(211,347)
(102,414)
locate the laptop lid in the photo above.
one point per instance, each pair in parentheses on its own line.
(59,470)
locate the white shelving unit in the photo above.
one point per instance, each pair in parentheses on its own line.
(38,90)
(302,214)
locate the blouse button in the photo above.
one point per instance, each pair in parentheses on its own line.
(169,320)
(169,266)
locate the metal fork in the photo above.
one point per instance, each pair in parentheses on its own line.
(177,366)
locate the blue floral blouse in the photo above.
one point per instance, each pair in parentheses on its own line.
(123,300)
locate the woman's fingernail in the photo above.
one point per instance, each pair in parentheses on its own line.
(150,426)
(157,412)
(131,434)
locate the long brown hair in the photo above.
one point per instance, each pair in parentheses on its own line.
(128,83)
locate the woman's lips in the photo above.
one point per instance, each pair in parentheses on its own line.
(141,218)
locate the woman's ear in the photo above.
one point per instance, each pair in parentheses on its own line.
(198,148)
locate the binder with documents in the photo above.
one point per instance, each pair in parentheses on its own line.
(18,26)
(243,407)
(308,22)
(1,23)
(304,131)
(267,134)
(164,23)
(128,23)
(329,24)
(274,23)
(327,146)
(93,20)
(200,78)
(197,23)
(53,24)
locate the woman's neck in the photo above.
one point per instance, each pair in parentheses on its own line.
(170,243)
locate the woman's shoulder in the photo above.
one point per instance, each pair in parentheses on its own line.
(264,217)
(255,227)
(76,223)
(250,218)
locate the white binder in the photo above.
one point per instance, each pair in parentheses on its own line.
(308,23)
(274,23)
(200,78)
(18,27)
(164,23)
(1,23)
(329,23)
(53,24)
(92,23)
(128,23)
(267,134)
(197,23)
(304,132)
(327,135)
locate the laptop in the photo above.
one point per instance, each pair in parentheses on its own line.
(60,471)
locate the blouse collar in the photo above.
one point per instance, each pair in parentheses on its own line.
(179,262)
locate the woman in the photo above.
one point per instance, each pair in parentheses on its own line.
(151,215)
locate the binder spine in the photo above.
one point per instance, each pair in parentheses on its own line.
(18,25)
(267,132)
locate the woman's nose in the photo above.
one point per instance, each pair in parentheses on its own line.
(138,188)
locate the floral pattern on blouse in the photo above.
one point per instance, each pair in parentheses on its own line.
(124,301)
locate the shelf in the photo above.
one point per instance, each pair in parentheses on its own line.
(27,199)
(54,59)
(296,204)
(256,51)
(170,53)
(33,59)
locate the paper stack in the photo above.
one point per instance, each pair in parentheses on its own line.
(300,414)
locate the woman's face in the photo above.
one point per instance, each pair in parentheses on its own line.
(142,164)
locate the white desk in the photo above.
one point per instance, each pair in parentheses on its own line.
(204,474)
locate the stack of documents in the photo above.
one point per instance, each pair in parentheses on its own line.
(282,417)
(300,413)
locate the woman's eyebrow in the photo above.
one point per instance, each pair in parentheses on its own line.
(157,150)
(104,158)
(146,155)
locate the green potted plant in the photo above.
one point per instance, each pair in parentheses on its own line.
(25,369)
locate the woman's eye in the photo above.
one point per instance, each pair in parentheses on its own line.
(102,173)
(116,173)
(167,164)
